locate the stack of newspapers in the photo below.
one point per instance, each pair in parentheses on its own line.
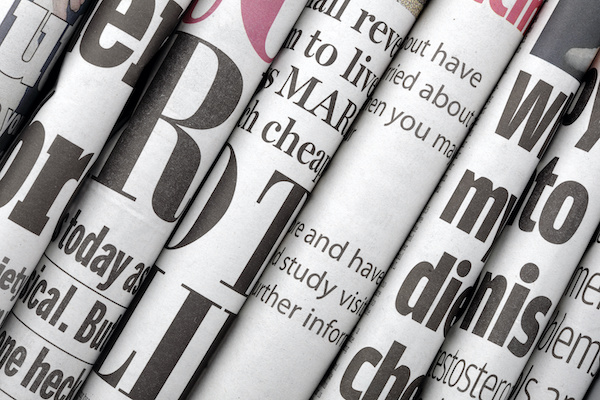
(299,200)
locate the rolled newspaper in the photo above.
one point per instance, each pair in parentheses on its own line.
(565,359)
(41,173)
(33,35)
(530,266)
(328,66)
(53,153)
(120,220)
(340,246)
(431,280)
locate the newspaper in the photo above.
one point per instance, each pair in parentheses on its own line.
(113,231)
(529,267)
(428,284)
(565,358)
(328,66)
(340,246)
(53,153)
(41,173)
(33,35)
